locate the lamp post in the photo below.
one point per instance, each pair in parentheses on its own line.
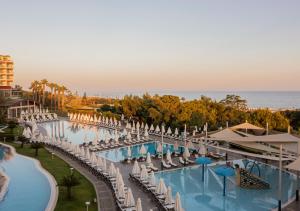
(184,134)
(87,203)
(52,155)
(280,179)
(71,169)
(162,145)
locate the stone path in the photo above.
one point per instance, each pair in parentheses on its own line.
(294,206)
(104,193)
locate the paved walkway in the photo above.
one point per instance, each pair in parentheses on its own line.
(104,193)
(294,206)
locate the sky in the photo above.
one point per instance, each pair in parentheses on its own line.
(146,45)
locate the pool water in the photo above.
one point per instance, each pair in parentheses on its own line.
(28,189)
(207,195)
(76,132)
(120,154)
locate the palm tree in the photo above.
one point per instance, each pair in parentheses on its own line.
(23,140)
(51,86)
(36,146)
(43,83)
(33,87)
(69,181)
(63,89)
(55,96)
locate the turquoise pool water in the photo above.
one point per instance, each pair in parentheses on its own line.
(119,154)
(207,196)
(76,132)
(29,189)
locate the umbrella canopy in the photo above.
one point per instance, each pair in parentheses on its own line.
(87,154)
(136,168)
(112,170)
(157,129)
(169,131)
(121,191)
(99,162)
(138,206)
(146,127)
(169,156)
(151,179)
(148,159)
(128,152)
(202,150)
(143,150)
(144,173)
(146,134)
(93,159)
(159,148)
(138,135)
(178,206)
(186,153)
(104,168)
(169,198)
(190,145)
(161,187)
(129,200)
(128,136)
(151,127)
(176,146)
(163,129)
(203,160)
(225,171)
(176,132)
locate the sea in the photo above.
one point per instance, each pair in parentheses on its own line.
(274,100)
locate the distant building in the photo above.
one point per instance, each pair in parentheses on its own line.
(12,108)
(6,71)
(7,78)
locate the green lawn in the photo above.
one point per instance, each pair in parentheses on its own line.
(58,168)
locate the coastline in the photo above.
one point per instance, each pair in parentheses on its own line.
(52,182)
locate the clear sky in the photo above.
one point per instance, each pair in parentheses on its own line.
(143,45)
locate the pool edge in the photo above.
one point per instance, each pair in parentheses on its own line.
(52,182)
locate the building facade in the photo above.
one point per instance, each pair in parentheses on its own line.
(6,71)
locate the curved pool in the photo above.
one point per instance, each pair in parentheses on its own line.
(29,188)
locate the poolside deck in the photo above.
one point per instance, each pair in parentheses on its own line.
(294,206)
(104,193)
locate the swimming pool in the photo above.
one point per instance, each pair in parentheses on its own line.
(29,188)
(119,154)
(76,132)
(207,195)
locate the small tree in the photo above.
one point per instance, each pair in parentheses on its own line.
(11,126)
(69,181)
(36,146)
(23,140)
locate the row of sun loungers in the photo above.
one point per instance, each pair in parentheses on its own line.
(159,199)
(100,173)
(112,144)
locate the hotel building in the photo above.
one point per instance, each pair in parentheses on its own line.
(6,71)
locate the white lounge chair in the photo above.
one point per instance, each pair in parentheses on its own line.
(166,165)
(170,162)
(182,161)
(190,161)
(152,167)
